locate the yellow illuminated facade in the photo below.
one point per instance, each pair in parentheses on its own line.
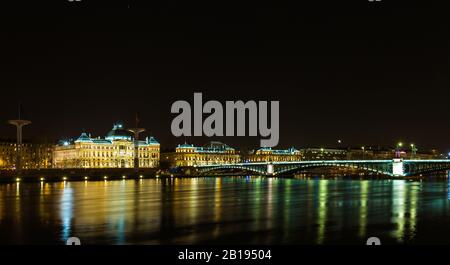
(33,156)
(267,154)
(116,150)
(186,155)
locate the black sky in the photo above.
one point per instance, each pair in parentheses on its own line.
(366,73)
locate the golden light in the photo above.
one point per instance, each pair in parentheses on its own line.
(18,179)
(86,178)
(124,177)
(64,178)
(42,179)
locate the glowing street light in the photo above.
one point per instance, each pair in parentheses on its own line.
(397,151)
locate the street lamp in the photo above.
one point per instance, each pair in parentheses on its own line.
(363,152)
(413,150)
(397,151)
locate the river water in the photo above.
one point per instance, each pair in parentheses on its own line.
(226,210)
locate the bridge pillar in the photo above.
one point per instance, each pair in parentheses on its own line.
(398,170)
(270,169)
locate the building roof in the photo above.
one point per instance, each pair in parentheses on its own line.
(211,147)
(118,132)
(290,150)
(185,145)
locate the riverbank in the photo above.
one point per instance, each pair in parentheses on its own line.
(51,175)
(57,175)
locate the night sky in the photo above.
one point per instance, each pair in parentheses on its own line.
(366,73)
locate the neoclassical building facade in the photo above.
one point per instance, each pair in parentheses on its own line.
(267,154)
(33,155)
(116,150)
(187,155)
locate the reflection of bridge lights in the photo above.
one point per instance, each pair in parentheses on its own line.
(448,191)
(322,210)
(399,207)
(66,208)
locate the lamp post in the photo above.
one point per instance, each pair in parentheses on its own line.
(413,151)
(19,124)
(363,152)
(136,132)
(398,149)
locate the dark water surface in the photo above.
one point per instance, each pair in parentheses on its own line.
(247,210)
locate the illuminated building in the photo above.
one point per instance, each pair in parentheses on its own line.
(213,153)
(116,150)
(34,155)
(364,153)
(267,154)
(323,154)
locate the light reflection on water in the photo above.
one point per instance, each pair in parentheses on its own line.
(250,210)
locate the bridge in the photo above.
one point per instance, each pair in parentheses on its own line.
(392,167)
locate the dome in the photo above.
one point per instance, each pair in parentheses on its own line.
(119,133)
